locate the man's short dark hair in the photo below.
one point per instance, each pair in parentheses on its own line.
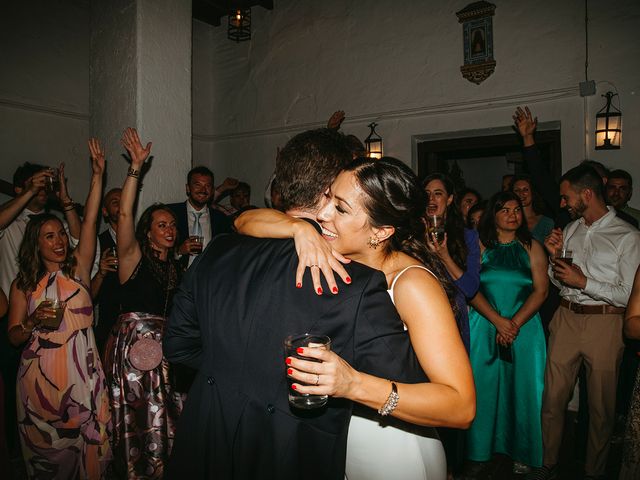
(585,176)
(24,172)
(199,170)
(598,167)
(307,165)
(623,174)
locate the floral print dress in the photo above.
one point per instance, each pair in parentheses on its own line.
(63,406)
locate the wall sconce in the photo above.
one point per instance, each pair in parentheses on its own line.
(373,143)
(608,125)
(239,28)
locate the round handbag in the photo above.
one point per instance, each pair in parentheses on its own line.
(145,354)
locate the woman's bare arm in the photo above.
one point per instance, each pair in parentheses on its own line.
(532,304)
(449,398)
(632,317)
(129,252)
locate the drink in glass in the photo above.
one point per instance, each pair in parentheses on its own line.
(58,306)
(565,255)
(435,227)
(304,401)
(197,243)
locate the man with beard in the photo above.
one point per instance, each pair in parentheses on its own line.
(587,327)
(197,223)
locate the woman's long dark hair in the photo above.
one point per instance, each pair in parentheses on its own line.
(394,197)
(144,226)
(31,268)
(454,225)
(487,227)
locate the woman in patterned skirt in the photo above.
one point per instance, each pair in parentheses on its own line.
(63,407)
(146,393)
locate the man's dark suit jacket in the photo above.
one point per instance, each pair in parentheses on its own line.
(230,315)
(108,299)
(218,220)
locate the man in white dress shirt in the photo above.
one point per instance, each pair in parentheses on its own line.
(587,327)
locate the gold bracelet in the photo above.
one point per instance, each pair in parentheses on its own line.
(69,208)
(133,173)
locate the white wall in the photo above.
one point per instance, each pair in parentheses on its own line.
(398,63)
(44,87)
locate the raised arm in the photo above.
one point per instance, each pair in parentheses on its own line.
(632,317)
(86,249)
(68,206)
(447,400)
(129,252)
(11,209)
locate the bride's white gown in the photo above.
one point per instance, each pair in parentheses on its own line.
(383,448)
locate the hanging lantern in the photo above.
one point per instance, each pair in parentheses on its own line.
(373,143)
(608,125)
(239,28)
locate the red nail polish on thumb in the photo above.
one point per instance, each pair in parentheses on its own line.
(300,350)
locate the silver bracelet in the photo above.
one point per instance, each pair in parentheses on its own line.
(391,403)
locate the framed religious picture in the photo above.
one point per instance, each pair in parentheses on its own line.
(477,39)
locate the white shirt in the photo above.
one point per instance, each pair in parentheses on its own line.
(608,252)
(205,223)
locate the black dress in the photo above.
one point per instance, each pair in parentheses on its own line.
(146,402)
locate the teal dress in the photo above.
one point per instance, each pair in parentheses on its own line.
(509,395)
(542,229)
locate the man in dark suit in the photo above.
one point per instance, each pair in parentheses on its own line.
(105,286)
(230,316)
(194,218)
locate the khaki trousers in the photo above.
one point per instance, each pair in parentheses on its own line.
(596,341)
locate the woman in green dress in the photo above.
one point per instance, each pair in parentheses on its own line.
(508,351)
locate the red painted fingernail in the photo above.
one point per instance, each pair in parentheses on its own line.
(293,387)
(300,350)
(289,371)
(348,279)
(319,290)
(298,285)
(334,289)
(288,360)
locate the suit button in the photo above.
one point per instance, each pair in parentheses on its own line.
(271,408)
(210,380)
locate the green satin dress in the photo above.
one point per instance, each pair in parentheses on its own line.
(509,395)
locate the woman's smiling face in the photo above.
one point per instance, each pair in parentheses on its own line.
(345,223)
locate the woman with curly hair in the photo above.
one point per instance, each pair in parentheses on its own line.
(145,397)
(63,407)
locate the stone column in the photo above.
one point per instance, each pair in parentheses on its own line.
(141,77)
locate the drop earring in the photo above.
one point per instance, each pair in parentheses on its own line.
(373,242)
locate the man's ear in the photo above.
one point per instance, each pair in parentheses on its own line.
(383,233)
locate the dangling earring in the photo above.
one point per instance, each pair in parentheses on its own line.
(373,242)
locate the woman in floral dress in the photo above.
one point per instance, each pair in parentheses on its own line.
(63,407)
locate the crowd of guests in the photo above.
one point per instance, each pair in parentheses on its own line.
(135,349)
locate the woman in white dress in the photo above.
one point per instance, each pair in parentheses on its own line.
(373,215)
